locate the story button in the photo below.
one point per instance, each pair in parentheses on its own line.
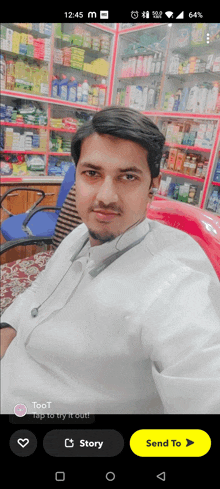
(83,443)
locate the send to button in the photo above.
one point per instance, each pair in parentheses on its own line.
(170,443)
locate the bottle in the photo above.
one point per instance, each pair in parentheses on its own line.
(85,92)
(192,169)
(63,87)
(55,86)
(95,95)
(2,72)
(72,90)
(102,93)
(79,93)
(177,98)
(44,85)
(170,102)
(90,96)
(186,166)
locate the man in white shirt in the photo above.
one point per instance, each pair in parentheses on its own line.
(125,318)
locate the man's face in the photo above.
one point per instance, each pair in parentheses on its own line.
(112,186)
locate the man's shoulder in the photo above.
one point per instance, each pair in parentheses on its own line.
(178,247)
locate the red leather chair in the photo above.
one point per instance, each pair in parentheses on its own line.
(202,225)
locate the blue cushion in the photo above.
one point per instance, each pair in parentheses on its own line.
(41,224)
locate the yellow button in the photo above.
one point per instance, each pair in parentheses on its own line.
(170,443)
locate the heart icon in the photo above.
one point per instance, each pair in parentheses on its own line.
(23,442)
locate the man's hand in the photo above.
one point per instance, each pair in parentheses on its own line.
(7,335)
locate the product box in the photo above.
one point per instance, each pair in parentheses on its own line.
(184,192)
(198,34)
(172,158)
(24,38)
(182,38)
(180,161)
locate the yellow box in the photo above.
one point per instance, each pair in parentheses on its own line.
(24,38)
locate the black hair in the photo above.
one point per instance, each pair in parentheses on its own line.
(124,123)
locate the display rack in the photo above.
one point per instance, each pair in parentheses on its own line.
(168,72)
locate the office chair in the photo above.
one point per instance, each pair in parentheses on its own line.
(35,221)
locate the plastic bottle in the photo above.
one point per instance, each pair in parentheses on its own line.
(2,72)
(55,86)
(102,93)
(72,90)
(85,92)
(63,87)
(79,93)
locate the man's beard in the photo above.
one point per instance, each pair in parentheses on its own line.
(101,237)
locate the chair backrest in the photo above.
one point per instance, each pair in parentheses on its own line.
(202,225)
(66,185)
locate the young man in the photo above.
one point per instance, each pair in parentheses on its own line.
(125,318)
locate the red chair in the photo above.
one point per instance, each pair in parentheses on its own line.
(202,225)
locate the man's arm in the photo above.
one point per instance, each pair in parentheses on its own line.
(7,335)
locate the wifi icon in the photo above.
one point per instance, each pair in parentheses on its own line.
(169,14)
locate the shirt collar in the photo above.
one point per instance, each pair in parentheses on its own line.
(101,252)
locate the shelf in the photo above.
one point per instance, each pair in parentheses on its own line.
(185,115)
(144,77)
(182,76)
(216,183)
(182,175)
(27,126)
(51,100)
(57,129)
(183,146)
(32,179)
(55,153)
(26,152)
(29,58)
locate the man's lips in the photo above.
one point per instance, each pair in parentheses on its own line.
(105,215)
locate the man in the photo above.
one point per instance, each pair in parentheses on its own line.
(125,318)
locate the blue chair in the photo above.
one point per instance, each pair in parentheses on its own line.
(40,223)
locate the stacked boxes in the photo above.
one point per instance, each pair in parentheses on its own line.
(77,58)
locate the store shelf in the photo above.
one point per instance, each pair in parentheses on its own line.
(54,153)
(183,115)
(184,146)
(14,151)
(51,100)
(22,125)
(182,175)
(56,129)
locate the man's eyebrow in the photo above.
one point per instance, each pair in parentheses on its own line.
(122,170)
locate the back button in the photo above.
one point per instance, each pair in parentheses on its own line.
(23,443)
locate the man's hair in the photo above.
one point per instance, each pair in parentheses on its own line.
(124,123)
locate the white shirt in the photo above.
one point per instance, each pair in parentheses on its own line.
(142,337)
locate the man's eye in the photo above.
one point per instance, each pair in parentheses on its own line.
(129,176)
(90,173)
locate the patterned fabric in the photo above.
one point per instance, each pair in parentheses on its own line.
(18,275)
(68,218)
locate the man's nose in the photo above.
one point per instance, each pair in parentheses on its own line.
(107,192)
